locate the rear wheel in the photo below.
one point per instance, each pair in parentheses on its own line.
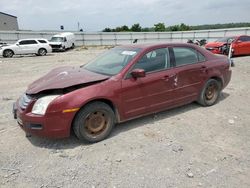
(8,53)
(210,93)
(94,122)
(42,52)
(73,46)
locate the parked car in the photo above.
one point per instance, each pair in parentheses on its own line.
(3,44)
(124,83)
(62,41)
(240,45)
(26,46)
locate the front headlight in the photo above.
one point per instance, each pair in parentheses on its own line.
(42,104)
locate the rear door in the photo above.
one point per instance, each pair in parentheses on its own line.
(153,92)
(243,45)
(190,71)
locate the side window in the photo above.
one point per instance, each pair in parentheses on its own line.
(27,42)
(153,61)
(185,56)
(42,41)
(201,57)
(245,39)
(23,42)
(32,42)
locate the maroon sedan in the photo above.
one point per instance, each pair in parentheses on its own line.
(124,83)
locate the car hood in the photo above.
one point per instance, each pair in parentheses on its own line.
(55,43)
(64,77)
(214,44)
(8,46)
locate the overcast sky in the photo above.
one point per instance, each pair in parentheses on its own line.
(95,15)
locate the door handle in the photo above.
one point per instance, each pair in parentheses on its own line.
(203,68)
(167,77)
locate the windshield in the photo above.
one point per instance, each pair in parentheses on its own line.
(56,39)
(226,39)
(112,62)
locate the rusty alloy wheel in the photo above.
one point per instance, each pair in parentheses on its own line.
(96,123)
(211,91)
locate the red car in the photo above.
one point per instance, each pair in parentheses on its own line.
(124,83)
(240,45)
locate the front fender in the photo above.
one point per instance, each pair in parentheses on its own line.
(80,97)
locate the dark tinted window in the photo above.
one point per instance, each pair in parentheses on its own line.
(201,57)
(26,42)
(184,56)
(42,41)
(153,61)
(245,38)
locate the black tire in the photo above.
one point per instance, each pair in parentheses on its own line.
(210,93)
(73,46)
(42,52)
(8,53)
(63,49)
(94,122)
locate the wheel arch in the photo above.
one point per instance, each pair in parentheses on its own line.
(9,49)
(42,48)
(219,79)
(106,101)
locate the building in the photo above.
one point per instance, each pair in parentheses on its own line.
(8,22)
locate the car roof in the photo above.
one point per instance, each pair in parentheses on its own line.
(150,46)
(33,39)
(157,45)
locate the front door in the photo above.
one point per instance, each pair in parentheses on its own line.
(153,92)
(243,45)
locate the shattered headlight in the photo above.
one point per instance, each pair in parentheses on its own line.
(42,104)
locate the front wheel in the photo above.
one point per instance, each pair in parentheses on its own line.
(94,122)
(8,53)
(42,52)
(210,93)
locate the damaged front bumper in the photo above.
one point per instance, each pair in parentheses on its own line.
(50,125)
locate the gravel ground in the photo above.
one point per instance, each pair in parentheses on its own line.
(190,146)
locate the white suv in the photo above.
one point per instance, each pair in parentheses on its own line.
(26,46)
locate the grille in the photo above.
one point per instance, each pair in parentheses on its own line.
(55,46)
(24,101)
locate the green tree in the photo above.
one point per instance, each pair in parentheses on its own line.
(124,28)
(159,27)
(106,30)
(184,27)
(136,27)
(173,28)
(118,29)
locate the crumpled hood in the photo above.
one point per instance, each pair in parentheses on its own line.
(64,77)
(214,44)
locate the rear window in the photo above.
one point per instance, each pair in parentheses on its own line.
(42,41)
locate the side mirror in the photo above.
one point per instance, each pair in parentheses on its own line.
(17,44)
(138,73)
